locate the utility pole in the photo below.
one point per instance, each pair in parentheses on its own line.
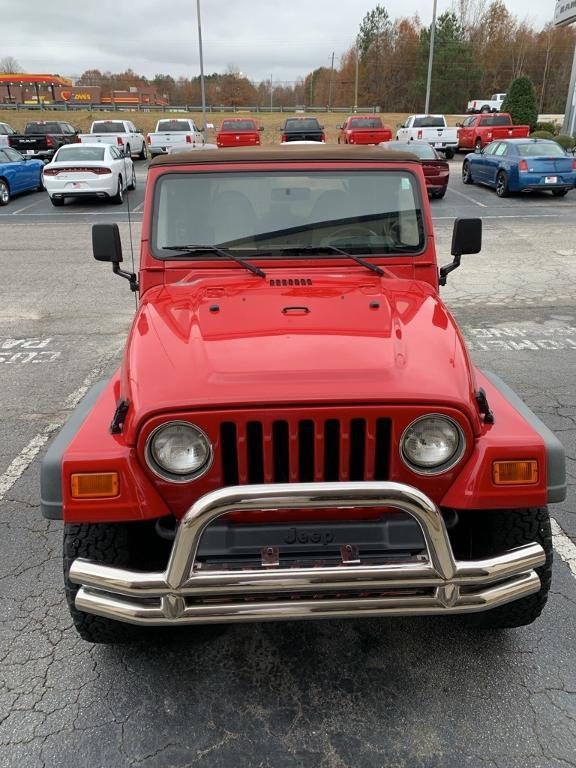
(311,88)
(271,93)
(331,83)
(356,82)
(202,89)
(430,59)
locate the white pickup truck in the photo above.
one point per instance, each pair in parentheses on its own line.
(493,104)
(5,131)
(122,133)
(169,133)
(431,128)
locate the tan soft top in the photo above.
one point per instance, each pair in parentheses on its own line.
(285,153)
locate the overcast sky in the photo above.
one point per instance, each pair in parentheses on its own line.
(259,37)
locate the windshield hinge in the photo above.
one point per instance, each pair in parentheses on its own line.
(119,417)
(483,406)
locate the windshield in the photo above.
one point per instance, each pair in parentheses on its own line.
(43,128)
(541,149)
(496,120)
(238,125)
(72,153)
(429,122)
(173,125)
(108,127)
(304,124)
(376,212)
(366,122)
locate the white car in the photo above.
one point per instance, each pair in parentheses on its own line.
(120,133)
(5,131)
(431,128)
(483,106)
(170,133)
(89,170)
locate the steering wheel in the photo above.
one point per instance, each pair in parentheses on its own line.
(354,230)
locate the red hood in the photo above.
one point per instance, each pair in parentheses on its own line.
(346,337)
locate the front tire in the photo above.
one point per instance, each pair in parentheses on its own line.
(439,195)
(502,189)
(108,544)
(132,184)
(4,192)
(467,173)
(144,152)
(503,529)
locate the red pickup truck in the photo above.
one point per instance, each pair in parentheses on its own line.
(363,129)
(238,132)
(479,130)
(297,430)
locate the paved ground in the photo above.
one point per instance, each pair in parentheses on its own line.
(417,693)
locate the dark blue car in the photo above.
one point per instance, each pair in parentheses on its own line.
(521,165)
(18,174)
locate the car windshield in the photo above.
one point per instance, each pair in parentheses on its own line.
(495,120)
(430,121)
(43,128)
(540,149)
(304,124)
(238,125)
(73,153)
(173,125)
(108,126)
(377,212)
(366,122)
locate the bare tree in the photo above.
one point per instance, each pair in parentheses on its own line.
(9,66)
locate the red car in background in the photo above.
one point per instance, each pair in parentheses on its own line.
(239,132)
(363,129)
(436,168)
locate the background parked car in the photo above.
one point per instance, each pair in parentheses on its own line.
(431,128)
(5,131)
(122,133)
(479,130)
(363,129)
(42,138)
(18,174)
(302,129)
(493,104)
(521,165)
(172,132)
(238,132)
(436,168)
(89,170)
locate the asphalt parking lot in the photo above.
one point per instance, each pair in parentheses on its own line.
(423,693)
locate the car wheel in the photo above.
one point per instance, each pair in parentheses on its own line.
(439,195)
(118,198)
(128,151)
(57,201)
(505,529)
(502,184)
(485,109)
(559,192)
(449,154)
(4,192)
(467,173)
(132,184)
(41,187)
(144,153)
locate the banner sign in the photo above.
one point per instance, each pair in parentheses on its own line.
(565,12)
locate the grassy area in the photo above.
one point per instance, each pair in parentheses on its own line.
(147,120)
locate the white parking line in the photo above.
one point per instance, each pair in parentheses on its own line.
(467,197)
(27,455)
(26,207)
(138,207)
(73,213)
(565,547)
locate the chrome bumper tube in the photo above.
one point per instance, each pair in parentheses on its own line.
(186,594)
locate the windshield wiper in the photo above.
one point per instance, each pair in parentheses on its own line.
(219,252)
(333,249)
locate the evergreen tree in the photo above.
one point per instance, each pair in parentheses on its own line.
(520,102)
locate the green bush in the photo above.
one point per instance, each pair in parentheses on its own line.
(566,142)
(542,135)
(548,127)
(520,102)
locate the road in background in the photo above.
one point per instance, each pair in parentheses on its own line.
(422,693)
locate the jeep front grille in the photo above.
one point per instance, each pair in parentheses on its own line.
(305,450)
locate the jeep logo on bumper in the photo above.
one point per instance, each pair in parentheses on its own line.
(296,536)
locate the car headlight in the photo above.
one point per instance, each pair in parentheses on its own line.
(179,451)
(432,444)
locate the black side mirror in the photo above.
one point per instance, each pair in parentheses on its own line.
(338,127)
(466,239)
(478,150)
(107,246)
(261,128)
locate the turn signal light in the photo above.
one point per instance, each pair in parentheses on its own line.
(95,485)
(515,472)
(523,165)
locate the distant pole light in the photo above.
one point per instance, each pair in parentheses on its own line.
(202,88)
(430,59)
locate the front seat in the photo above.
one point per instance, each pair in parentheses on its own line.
(234,218)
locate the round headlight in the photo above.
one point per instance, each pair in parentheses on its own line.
(179,451)
(432,444)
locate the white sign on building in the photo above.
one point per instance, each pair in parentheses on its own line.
(565,12)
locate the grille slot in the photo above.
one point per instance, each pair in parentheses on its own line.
(305,450)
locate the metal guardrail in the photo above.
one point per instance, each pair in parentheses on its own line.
(212,108)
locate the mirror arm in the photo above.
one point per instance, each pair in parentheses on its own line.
(445,271)
(130,276)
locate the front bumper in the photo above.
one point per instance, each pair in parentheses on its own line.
(185,593)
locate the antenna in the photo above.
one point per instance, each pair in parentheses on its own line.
(130,219)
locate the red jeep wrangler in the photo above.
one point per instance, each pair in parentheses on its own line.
(297,430)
